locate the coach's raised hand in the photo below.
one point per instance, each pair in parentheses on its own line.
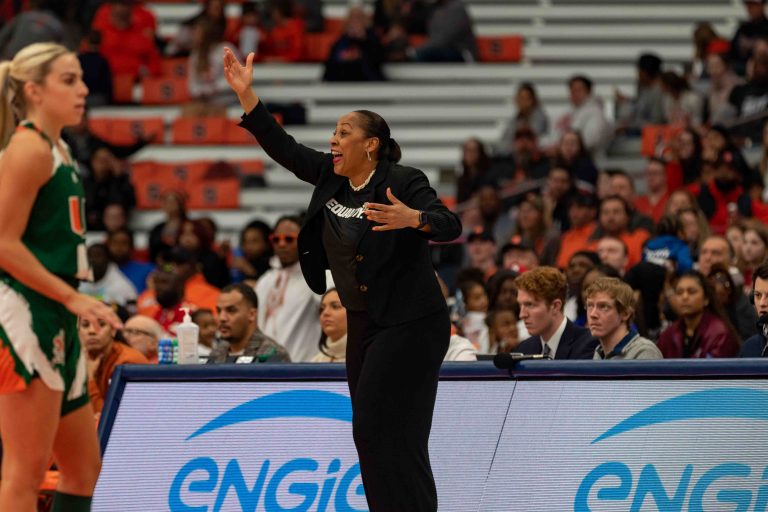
(240,78)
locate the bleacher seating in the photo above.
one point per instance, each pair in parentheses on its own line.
(432,108)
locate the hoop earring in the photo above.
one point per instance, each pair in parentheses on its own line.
(369,155)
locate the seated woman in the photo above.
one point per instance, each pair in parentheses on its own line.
(104,354)
(702,329)
(333,322)
(735,303)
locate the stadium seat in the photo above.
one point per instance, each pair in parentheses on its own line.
(161,91)
(152,179)
(233,134)
(122,88)
(249,167)
(128,131)
(500,48)
(216,186)
(175,67)
(200,130)
(317,47)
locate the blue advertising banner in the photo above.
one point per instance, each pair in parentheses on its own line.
(554,437)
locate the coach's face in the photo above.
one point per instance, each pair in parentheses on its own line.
(350,147)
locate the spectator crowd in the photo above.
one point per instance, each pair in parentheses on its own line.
(559,256)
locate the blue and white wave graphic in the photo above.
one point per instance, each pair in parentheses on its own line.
(287,404)
(732,403)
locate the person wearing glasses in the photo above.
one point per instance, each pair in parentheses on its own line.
(287,306)
(143,333)
(369,221)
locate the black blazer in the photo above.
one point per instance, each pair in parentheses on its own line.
(394,268)
(576,343)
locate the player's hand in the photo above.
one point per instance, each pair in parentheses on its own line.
(391,216)
(92,310)
(238,77)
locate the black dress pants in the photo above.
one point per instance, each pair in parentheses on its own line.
(393,374)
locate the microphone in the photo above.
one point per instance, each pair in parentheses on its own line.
(507,360)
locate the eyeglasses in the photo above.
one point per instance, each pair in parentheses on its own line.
(276,239)
(602,307)
(137,332)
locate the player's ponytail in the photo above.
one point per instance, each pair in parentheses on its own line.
(6,110)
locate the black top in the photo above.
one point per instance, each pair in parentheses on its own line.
(394,267)
(755,346)
(344,223)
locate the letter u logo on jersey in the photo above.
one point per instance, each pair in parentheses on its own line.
(76,218)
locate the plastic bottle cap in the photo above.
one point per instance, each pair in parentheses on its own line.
(187,317)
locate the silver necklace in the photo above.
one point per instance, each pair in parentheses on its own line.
(366,182)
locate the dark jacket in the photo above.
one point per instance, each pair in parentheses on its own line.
(394,268)
(754,347)
(712,338)
(743,317)
(576,343)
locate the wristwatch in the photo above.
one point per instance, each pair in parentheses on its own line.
(423,221)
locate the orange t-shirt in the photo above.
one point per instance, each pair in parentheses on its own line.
(573,241)
(654,211)
(635,241)
(118,354)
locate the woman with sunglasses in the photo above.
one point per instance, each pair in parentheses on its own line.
(369,221)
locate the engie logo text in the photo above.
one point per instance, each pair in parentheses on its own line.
(733,485)
(294,474)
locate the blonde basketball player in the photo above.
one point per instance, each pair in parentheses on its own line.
(44,407)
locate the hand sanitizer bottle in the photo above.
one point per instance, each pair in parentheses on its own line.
(187,332)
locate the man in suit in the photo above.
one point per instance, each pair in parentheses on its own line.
(541,295)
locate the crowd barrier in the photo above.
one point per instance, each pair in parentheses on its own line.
(685,435)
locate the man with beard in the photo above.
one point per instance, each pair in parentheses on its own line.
(237,311)
(169,294)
